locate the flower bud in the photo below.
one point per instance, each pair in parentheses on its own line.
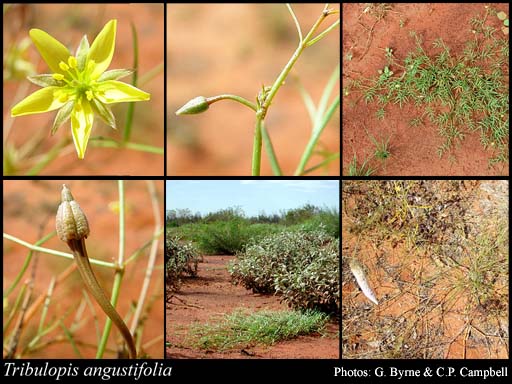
(194,106)
(71,223)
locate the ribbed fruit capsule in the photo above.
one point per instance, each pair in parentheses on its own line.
(71,223)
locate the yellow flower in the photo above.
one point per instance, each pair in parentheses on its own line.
(80,86)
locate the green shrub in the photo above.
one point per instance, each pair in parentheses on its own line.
(302,266)
(223,237)
(229,237)
(181,258)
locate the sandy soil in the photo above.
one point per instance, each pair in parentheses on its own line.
(211,293)
(414,149)
(29,212)
(427,306)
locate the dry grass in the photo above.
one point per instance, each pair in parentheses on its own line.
(437,256)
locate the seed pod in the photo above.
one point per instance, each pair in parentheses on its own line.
(194,106)
(71,223)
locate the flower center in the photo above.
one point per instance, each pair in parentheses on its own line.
(79,83)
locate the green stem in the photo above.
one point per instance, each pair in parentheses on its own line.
(324,162)
(120,187)
(286,70)
(256,149)
(51,155)
(131,106)
(323,34)
(308,152)
(236,98)
(149,75)
(269,148)
(55,253)
(107,142)
(262,112)
(26,263)
(118,278)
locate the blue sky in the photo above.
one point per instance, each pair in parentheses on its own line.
(253,196)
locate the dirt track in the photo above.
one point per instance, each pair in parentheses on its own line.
(212,293)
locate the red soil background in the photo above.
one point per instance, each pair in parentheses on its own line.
(68,23)
(234,48)
(29,214)
(413,149)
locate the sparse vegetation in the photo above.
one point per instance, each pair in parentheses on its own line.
(437,253)
(458,93)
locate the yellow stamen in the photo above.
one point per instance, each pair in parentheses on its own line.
(63,66)
(61,96)
(89,95)
(58,76)
(72,62)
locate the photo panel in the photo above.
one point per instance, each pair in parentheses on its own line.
(425,89)
(252,269)
(83,89)
(425,269)
(254,89)
(70,248)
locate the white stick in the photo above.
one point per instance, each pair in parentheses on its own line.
(358,272)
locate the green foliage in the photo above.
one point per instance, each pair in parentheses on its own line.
(302,266)
(229,237)
(299,215)
(382,151)
(466,92)
(181,259)
(223,237)
(363,170)
(327,220)
(228,214)
(243,329)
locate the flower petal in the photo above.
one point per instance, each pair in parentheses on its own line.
(112,91)
(45,80)
(115,74)
(102,49)
(81,53)
(42,100)
(62,116)
(82,118)
(104,112)
(52,50)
